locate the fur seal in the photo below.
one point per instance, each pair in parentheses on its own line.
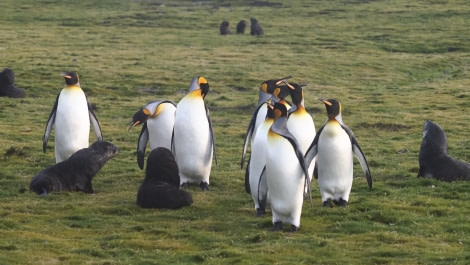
(241,26)
(76,172)
(7,87)
(256,29)
(160,188)
(434,160)
(224,30)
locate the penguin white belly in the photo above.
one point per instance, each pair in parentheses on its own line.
(302,127)
(335,163)
(161,127)
(192,141)
(258,162)
(284,180)
(72,124)
(260,117)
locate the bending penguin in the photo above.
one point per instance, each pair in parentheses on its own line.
(71,116)
(286,173)
(193,137)
(333,146)
(160,188)
(434,160)
(158,119)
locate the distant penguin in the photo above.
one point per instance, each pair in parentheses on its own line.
(193,137)
(256,29)
(333,146)
(265,93)
(7,85)
(71,116)
(285,172)
(255,179)
(300,122)
(158,119)
(160,188)
(224,30)
(434,160)
(241,26)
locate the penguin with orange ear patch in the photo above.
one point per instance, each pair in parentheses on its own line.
(333,147)
(71,116)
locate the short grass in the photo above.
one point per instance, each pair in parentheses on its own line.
(393,64)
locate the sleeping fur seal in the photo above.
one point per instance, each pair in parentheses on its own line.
(75,173)
(160,188)
(434,161)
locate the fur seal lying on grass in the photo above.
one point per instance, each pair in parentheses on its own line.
(76,172)
(7,87)
(434,161)
(160,188)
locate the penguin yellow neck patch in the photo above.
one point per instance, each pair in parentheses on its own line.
(72,87)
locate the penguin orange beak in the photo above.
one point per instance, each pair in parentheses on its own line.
(288,85)
(66,76)
(326,102)
(284,79)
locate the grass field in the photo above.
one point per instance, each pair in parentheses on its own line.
(393,65)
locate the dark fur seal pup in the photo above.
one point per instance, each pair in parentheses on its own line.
(255,27)
(7,87)
(224,30)
(241,26)
(434,161)
(160,188)
(76,172)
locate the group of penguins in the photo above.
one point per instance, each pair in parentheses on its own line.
(255,28)
(285,149)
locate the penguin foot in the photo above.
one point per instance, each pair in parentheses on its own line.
(185,185)
(341,202)
(260,212)
(277,227)
(293,228)
(327,203)
(204,186)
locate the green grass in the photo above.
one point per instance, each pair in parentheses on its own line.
(393,64)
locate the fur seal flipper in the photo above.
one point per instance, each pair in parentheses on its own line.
(434,161)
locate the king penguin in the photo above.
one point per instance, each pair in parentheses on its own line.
(71,117)
(256,173)
(285,171)
(193,137)
(333,146)
(265,93)
(300,122)
(158,119)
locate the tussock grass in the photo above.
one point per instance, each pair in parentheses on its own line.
(393,64)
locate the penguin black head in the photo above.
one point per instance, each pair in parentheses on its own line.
(271,84)
(270,114)
(333,107)
(200,83)
(71,78)
(296,92)
(280,110)
(139,117)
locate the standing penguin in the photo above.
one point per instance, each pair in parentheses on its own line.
(285,171)
(72,115)
(241,26)
(265,93)
(224,30)
(333,146)
(158,119)
(193,137)
(300,122)
(256,29)
(255,179)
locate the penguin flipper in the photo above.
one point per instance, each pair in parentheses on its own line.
(262,189)
(212,135)
(142,145)
(247,178)
(360,155)
(94,123)
(249,133)
(312,151)
(49,124)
